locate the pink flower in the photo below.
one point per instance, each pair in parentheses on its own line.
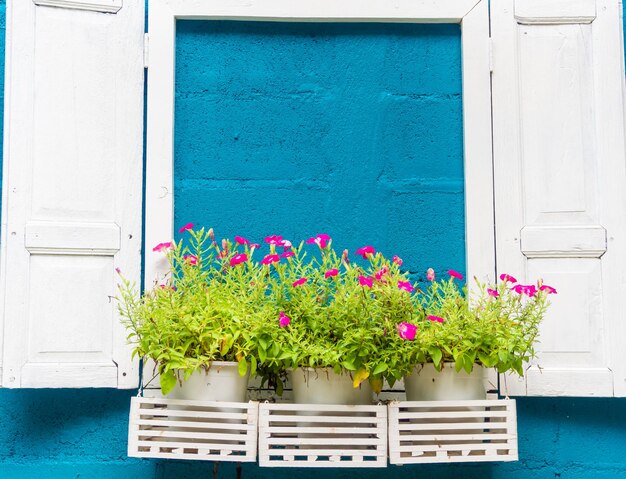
(287,254)
(507,278)
(492,292)
(165,286)
(529,290)
(241,240)
(284,243)
(344,257)
(191,259)
(300,281)
(270,258)
(548,289)
(187,227)
(161,247)
(331,272)
(321,240)
(238,259)
(365,251)
(275,239)
(436,319)
(430,274)
(118,271)
(379,275)
(283,320)
(406,286)
(397,260)
(365,281)
(455,274)
(407,331)
(255,245)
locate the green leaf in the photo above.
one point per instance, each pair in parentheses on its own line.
(243,367)
(435,354)
(349,366)
(168,381)
(253,365)
(382,367)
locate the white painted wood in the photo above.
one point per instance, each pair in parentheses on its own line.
(452,431)
(471,14)
(559,178)
(105,6)
(71,193)
(555,11)
(72,238)
(196,430)
(315,435)
(422,11)
(563,241)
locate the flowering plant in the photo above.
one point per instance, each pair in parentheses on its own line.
(204,310)
(495,326)
(308,306)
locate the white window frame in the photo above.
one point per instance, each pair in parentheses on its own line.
(472,15)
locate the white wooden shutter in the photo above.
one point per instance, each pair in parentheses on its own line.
(560,184)
(72,190)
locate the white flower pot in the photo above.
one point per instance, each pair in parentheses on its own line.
(222,382)
(324,386)
(425,383)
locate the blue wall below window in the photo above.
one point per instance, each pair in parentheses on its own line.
(82,433)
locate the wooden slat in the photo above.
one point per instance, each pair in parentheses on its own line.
(470,438)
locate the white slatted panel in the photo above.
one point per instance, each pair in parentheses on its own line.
(560,180)
(452,431)
(314,435)
(71,192)
(196,430)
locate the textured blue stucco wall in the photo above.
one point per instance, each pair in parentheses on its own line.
(82,433)
(297,129)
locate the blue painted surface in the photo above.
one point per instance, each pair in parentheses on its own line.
(58,434)
(346,129)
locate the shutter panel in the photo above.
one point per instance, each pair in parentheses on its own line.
(560,184)
(71,193)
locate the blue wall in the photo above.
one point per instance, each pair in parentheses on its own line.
(314,162)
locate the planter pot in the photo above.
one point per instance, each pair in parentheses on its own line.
(425,383)
(221,382)
(324,386)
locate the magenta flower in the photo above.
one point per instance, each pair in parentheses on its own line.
(320,240)
(275,239)
(284,243)
(300,281)
(191,259)
(397,260)
(407,331)
(430,274)
(379,275)
(165,286)
(238,259)
(241,240)
(492,292)
(548,289)
(161,247)
(331,272)
(255,245)
(507,278)
(365,281)
(118,270)
(406,286)
(455,274)
(436,319)
(365,251)
(287,254)
(270,258)
(529,290)
(187,227)
(283,320)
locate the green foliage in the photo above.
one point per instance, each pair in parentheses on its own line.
(310,307)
